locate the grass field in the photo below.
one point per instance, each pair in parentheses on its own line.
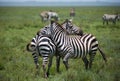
(19,24)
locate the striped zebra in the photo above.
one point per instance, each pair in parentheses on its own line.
(74,30)
(70,46)
(43,46)
(106,18)
(71,28)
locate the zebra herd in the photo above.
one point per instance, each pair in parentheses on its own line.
(48,15)
(56,40)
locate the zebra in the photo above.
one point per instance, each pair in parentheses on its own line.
(43,46)
(48,15)
(53,15)
(72,12)
(70,46)
(72,29)
(106,18)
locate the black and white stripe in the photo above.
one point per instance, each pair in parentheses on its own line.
(72,46)
(42,46)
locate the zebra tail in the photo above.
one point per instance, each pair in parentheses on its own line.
(28,47)
(103,55)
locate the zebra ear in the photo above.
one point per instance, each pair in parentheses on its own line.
(38,32)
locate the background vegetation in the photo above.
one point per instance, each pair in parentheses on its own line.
(19,24)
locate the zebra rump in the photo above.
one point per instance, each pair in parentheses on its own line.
(42,46)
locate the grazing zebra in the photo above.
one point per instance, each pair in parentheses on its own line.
(106,18)
(43,46)
(47,15)
(52,14)
(72,46)
(71,28)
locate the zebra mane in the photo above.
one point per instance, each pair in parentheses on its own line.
(38,32)
(59,25)
(65,21)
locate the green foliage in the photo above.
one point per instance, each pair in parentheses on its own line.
(19,24)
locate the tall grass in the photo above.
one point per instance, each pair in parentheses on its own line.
(19,24)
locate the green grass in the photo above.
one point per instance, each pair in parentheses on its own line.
(19,24)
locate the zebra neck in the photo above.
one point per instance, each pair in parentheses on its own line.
(58,36)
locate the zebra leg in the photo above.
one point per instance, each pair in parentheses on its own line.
(114,21)
(107,22)
(35,57)
(65,60)
(45,61)
(49,66)
(86,62)
(92,55)
(57,63)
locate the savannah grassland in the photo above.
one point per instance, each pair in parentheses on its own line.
(19,24)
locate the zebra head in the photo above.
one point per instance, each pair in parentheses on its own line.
(71,28)
(68,26)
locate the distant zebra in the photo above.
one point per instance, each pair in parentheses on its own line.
(72,46)
(43,46)
(106,18)
(53,15)
(48,15)
(72,12)
(71,28)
